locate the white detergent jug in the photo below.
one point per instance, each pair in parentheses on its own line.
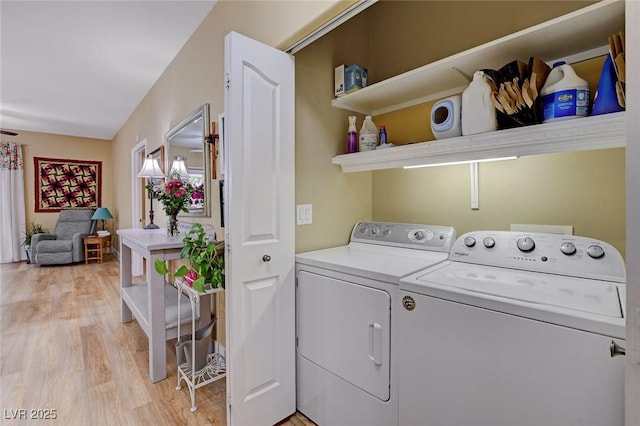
(478,113)
(564,94)
(368,135)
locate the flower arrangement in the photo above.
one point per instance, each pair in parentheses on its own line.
(206,261)
(174,195)
(197,196)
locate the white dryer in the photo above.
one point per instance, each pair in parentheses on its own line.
(514,329)
(345,313)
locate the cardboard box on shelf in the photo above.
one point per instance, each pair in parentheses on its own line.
(349,78)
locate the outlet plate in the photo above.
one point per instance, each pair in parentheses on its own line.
(304,214)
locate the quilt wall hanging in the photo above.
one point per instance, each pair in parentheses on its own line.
(67,184)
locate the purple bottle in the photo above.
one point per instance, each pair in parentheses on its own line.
(352,136)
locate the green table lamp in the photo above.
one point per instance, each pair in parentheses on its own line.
(102,213)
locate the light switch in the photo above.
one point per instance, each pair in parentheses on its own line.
(304,214)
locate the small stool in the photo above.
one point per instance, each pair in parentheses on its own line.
(94,247)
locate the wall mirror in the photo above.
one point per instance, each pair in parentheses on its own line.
(186,142)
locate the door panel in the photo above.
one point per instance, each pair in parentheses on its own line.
(345,328)
(259,186)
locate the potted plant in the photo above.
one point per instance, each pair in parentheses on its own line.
(32,229)
(206,261)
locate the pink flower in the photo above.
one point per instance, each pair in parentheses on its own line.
(191,277)
(180,192)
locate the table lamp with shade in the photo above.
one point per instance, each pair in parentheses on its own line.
(151,170)
(102,213)
(179,167)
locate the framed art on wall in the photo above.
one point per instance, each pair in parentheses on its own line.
(67,184)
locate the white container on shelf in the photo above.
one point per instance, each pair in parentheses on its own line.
(368,135)
(564,94)
(478,113)
(445,118)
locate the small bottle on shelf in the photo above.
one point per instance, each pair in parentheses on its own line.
(382,136)
(352,136)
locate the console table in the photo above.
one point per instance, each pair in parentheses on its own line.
(152,303)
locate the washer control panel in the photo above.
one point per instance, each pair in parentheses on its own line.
(409,235)
(550,253)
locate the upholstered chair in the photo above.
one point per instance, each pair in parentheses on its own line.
(66,244)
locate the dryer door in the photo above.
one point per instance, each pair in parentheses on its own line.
(345,328)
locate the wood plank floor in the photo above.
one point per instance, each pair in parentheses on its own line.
(63,348)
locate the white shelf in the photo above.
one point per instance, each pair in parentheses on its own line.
(584,30)
(580,134)
(136,298)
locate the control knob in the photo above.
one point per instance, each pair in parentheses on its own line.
(568,248)
(418,235)
(595,251)
(386,232)
(469,241)
(489,242)
(526,244)
(374,231)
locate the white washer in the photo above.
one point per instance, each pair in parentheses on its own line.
(345,297)
(514,329)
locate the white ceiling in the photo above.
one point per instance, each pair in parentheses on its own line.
(80,68)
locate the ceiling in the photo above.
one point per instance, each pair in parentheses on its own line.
(80,68)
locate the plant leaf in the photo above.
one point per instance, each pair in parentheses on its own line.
(161,267)
(181,271)
(199,284)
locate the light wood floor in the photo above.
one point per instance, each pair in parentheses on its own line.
(63,348)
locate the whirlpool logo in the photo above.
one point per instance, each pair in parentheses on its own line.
(460,253)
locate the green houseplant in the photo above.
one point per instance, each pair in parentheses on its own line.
(206,261)
(30,230)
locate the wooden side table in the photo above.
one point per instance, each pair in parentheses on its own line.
(94,246)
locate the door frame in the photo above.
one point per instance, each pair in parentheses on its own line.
(137,157)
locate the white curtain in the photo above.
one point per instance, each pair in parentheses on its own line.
(12,216)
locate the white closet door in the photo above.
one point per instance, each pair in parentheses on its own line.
(259,186)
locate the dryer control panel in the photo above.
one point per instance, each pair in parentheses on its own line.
(549,253)
(409,235)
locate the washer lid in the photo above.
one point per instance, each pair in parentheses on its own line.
(372,261)
(579,294)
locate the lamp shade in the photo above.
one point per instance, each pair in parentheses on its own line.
(150,168)
(179,167)
(102,213)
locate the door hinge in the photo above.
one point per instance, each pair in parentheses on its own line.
(227,81)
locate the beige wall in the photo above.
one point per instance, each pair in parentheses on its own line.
(338,199)
(63,147)
(196,77)
(585,190)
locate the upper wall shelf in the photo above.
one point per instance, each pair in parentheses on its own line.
(581,31)
(580,134)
